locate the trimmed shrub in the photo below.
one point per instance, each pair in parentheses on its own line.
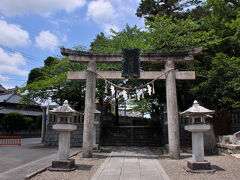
(13,121)
(39,122)
(29,123)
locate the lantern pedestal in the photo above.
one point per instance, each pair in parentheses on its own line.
(63,163)
(198,164)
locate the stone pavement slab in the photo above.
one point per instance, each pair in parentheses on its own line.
(131,163)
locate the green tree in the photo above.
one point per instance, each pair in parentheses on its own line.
(35,74)
(221,89)
(144,106)
(168,34)
(52,83)
(51,61)
(223,19)
(14,121)
(129,37)
(177,8)
(218,67)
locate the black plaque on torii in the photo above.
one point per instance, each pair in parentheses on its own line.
(131,62)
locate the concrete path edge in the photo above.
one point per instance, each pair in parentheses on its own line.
(29,176)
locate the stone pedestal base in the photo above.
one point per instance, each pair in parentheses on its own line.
(63,165)
(95,147)
(199,167)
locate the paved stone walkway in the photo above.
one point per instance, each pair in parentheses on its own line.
(131,163)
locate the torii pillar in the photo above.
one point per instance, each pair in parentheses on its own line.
(89,110)
(172,111)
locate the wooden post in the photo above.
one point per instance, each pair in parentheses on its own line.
(89,111)
(43,132)
(172,112)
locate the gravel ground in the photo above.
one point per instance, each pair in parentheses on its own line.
(227,167)
(85,168)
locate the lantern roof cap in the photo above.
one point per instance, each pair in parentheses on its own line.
(65,108)
(196,109)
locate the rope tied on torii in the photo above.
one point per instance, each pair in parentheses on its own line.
(132,89)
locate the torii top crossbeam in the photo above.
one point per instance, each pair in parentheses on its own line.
(151,57)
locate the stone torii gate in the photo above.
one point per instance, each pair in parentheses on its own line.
(169,58)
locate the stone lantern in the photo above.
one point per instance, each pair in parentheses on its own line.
(198,126)
(64,126)
(96,124)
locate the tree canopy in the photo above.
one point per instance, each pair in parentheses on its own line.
(177,8)
(50,81)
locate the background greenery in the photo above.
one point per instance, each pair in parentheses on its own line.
(16,121)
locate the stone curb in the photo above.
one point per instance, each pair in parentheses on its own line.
(101,168)
(29,176)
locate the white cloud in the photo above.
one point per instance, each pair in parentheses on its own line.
(100,11)
(4,78)
(46,40)
(113,13)
(16,7)
(12,35)
(10,63)
(108,27)
(7,86)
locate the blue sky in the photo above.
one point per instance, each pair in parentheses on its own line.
(32,30)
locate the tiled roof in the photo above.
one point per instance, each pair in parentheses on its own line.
(13,99)
(5,97)
(28,112)
(2,88)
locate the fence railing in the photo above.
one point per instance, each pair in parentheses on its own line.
(10,140)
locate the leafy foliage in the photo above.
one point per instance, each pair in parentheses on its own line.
(177,8)
(222,86)
(170,34)
(144,106)
(34,75)
(16,121)
(130,37)
(52,82)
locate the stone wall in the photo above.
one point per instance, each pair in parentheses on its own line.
(185,136)
(235,121)
(226,122)
(51,137)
